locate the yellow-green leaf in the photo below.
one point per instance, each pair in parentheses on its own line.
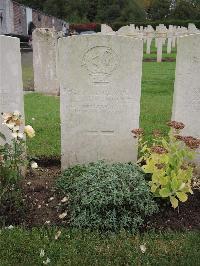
(163,180)
(165,192)
(175,184)
(183,197)
(153,188)
(174,202)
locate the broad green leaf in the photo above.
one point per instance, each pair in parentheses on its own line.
(182,186)
(183,197)
(174,202)
(153,188)
(164,180)
(165,192)
(164,143)
(175,184)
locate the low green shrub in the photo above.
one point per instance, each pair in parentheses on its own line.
(107,197)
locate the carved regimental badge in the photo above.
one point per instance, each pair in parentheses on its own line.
(100,62)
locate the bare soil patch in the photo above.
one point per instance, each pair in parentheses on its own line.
(44,205)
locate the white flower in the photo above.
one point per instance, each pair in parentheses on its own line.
(65,199)
(47,261)
(34,165)
(15,128)
(16,115)
(63,215)
(42,253)
(16,135)
(6,117)
(11,125)
(47,222)
(20,135)
(143,248)
(33,118)
(29,131)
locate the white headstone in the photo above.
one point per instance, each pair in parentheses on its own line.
(186,106)
(105,29)
(44,61)
(170,36)
(174,37)
(150,36)
(192,29)
(161,33)
(100,79)
(11,87)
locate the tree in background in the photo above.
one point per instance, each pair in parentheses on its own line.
(133,11)
(159,9)
(119,11)
(186,9)
(32,3)
(125,11)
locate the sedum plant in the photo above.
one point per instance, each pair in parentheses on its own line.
(107,197)
(12,159)
(169,161)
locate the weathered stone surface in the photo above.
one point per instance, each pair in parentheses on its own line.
(105,29)
(45,61)
(100,79)
(11,87)
(186,106)
(149,35)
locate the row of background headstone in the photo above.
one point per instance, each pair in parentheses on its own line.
(100,81)
(45,51)
(148,34)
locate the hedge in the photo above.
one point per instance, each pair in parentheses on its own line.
(115,26)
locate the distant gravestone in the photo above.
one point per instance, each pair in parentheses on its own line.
(45,61)
(161,34)
(105,29)
(186,106)
(11,87)
(150,35)
(100,78)
(170,37)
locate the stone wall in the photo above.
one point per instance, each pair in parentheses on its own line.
(13,19)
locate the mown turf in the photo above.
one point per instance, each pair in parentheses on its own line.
(157,96)
(22,247)
(43,113)
(156,102)
(27,71)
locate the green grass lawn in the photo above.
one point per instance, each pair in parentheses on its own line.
(27,71)
(157,96)
(156,102)
(43,113)
(22,247)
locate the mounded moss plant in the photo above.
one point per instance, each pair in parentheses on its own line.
(107,197)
